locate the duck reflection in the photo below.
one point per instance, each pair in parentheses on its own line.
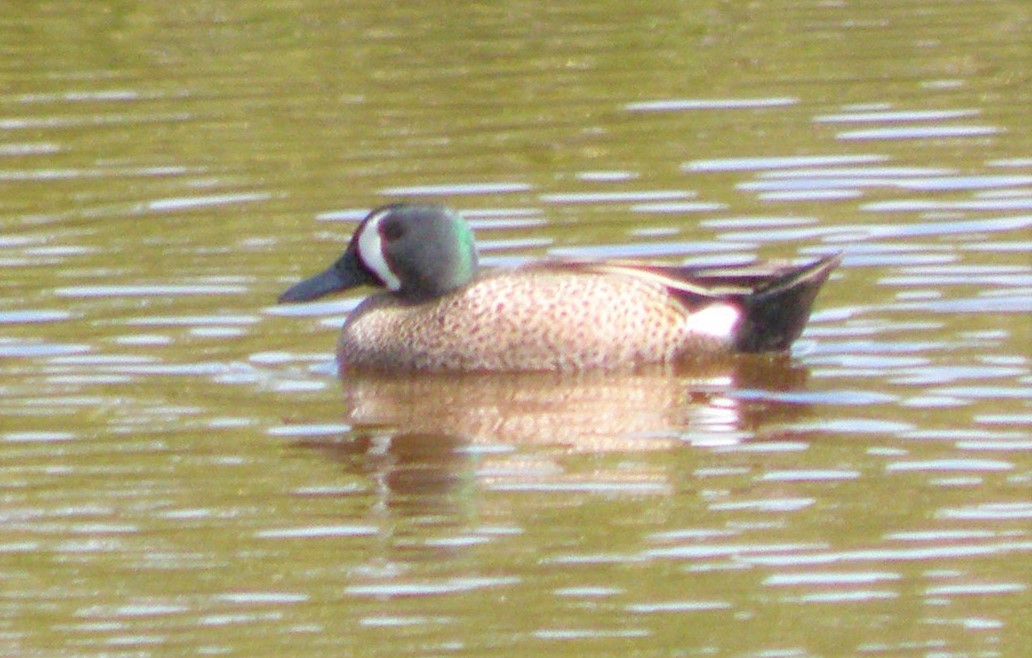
(432,449)
(429,435)
(592,411)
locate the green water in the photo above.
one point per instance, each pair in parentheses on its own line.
(182,474)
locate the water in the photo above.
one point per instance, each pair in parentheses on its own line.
(182,473)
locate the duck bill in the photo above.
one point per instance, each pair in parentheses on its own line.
(344,274)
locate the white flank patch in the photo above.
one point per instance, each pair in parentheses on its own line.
(718,320)
(370,251)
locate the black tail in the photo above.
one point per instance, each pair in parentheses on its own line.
(777,312)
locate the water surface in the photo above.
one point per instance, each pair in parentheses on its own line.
(182,473)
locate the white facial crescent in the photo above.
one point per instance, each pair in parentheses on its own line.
(370,251)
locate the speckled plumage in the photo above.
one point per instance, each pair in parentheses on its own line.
(532,319)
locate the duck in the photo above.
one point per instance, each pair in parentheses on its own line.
(437,312)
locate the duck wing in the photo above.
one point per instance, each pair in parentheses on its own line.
(774,299)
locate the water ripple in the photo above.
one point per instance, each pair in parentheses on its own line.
(429,588)
(895,115)
(697,551)
(30,316)
(678,606)
(677,105)
(846,596)
(447,189)
(990,512)
(783,162)
(951,465)
(918,132)
(812,475)
(148,290)
(979,589)
(190,202)
(638,250)
(615,197)
(263,598)
(929,553)
(310,532)
(830,578)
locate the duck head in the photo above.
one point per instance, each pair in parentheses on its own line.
(415,251)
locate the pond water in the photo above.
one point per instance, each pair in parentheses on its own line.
(181,473)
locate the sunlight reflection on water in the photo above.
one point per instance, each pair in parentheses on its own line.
(183,468)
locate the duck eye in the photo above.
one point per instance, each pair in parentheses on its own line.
(391,231)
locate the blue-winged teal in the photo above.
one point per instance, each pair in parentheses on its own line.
(438,314)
